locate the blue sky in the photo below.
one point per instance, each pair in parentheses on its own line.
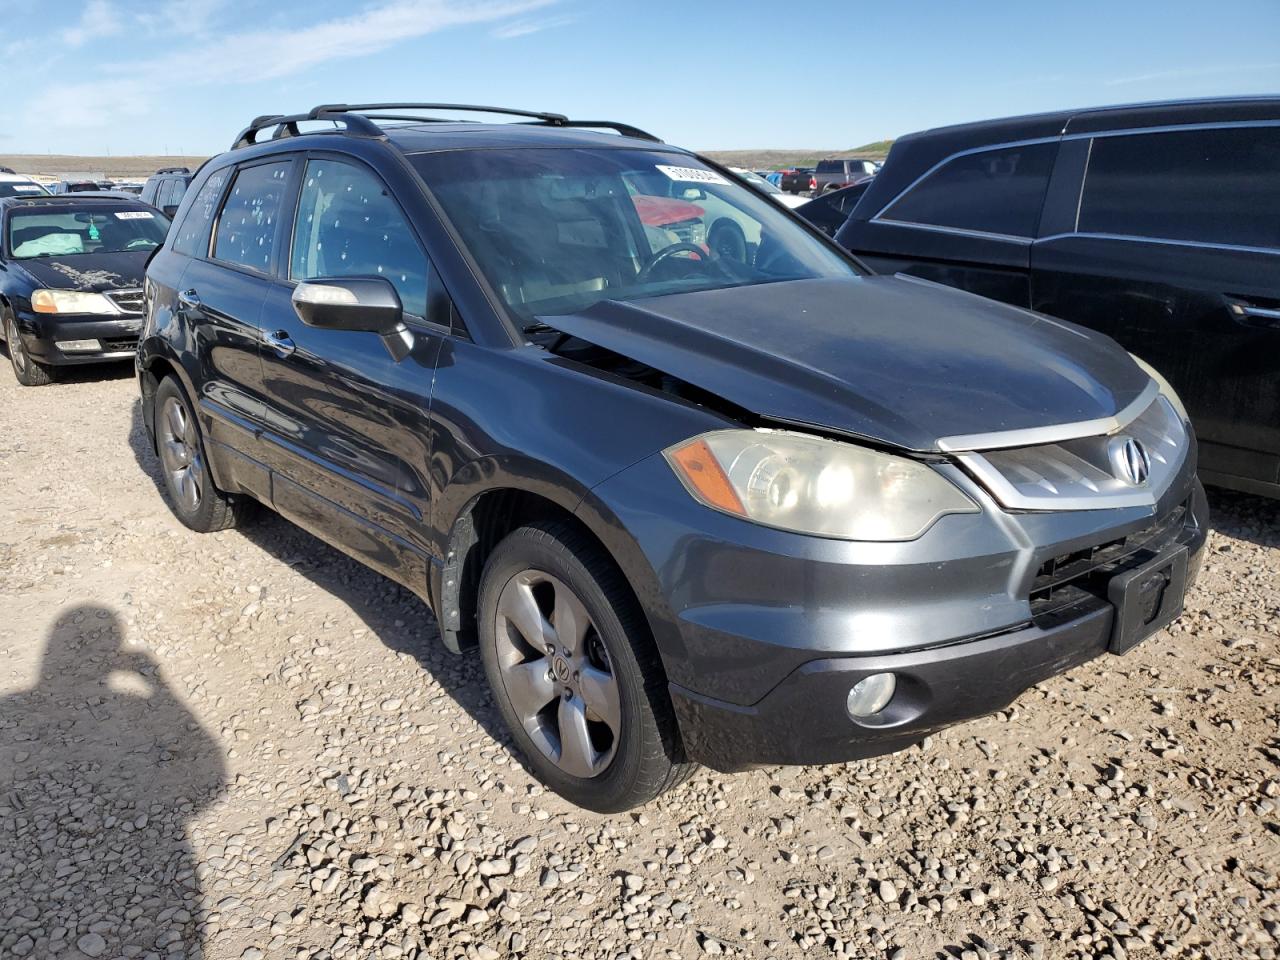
(146,76)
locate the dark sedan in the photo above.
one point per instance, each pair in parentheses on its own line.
(71,279)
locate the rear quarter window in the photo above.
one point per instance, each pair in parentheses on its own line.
(995,191)
(191,235)
(1210,186)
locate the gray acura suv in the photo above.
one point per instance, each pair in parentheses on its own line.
(690,505)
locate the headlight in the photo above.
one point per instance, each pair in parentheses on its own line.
(1169,393)
(809,485)
(70,301)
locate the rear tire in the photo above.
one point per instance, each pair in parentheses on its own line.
(592,719)
(29,372)
(193,497)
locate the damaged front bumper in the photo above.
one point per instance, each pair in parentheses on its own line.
(764,633)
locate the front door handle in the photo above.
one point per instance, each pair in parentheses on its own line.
(189,302)
(1252,315)
(280,342)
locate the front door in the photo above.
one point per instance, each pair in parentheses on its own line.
(347,421)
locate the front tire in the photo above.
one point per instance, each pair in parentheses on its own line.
(193,497)
(574,672)
(29,372)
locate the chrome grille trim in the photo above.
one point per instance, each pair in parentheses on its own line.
(1075,474)
(127,300)
(1055,433)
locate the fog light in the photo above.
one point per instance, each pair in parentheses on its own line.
(73,346)
(871,694)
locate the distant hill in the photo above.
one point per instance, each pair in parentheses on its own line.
(134,168)
(779,159)
(43,164)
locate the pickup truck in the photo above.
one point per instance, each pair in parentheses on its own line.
(834,174)
(796,181)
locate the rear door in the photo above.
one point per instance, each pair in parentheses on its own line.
(347,423)
(969,222)
(1174,250)
(222,292)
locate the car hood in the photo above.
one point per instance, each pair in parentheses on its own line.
(893,360)
(89,271)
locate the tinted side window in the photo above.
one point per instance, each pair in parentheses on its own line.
(164,196)
(192,234)
(830,166)
(180,185)
(348,226)
(247,225)
(1212,186)
(996,191)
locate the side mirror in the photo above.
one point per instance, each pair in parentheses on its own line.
(170,211)
(359,304)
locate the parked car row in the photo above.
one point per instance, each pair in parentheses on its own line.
(694,483)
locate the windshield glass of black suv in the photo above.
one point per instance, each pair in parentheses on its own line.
(66,230)
(557,230)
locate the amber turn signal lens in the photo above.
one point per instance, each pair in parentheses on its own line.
(701,472)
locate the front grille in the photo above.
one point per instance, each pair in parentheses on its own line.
(1080,474)
(1070,579)
(129,301)
(119,344)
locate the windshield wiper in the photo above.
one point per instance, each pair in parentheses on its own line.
(537,326)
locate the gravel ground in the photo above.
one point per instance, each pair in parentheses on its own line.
(245,745)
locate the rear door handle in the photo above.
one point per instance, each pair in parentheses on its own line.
(280,342)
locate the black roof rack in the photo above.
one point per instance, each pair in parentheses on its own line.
(163,170)
(359,120)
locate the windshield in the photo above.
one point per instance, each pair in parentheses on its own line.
(21,188)
(66,230)
(558,230)
(759,182)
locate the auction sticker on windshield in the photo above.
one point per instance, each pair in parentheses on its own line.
(133,215)
(691,174)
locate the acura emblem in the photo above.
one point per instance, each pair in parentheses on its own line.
(1130,461)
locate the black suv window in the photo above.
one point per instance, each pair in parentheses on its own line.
(1211,186)
(247,225)
(830,166)
(192,236)
(348,226)
(995,191)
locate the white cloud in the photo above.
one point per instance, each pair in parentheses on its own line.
(127,89)
(100,19)
(1227,69)
(523,28)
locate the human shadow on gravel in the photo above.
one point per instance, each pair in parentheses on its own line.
(102,770)
(1245,516)
(398,618)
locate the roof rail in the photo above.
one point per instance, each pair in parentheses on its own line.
(171,170)
(287,126)
(359,119)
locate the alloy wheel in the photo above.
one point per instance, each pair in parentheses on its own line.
(180,454)
(557,674)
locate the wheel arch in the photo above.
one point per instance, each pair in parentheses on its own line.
(514,499)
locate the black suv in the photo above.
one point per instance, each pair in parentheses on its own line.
(759,508)
(165,188)
(1158,224)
